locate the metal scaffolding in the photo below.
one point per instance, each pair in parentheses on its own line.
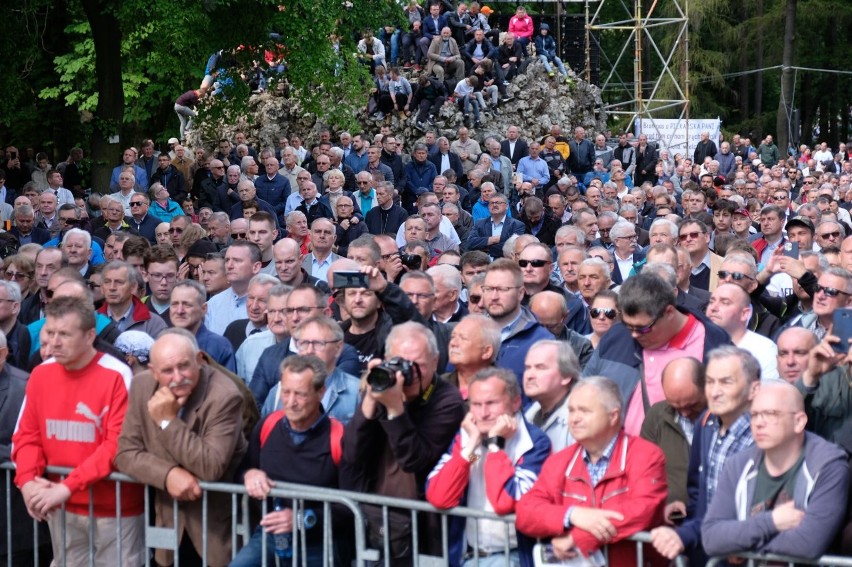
(659,38)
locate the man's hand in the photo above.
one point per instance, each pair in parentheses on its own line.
(666,542)
(30,492)
(182,485)
(791,266)
(563,547)
(50,498)
(504,427)
(474,436)
(393,267)
(257,483)
(675,507)
(392,398)
(163,405)
(787,516)
(822,359)
(344,224)
(278,522)
(596,522)
(375,280)
(492,240)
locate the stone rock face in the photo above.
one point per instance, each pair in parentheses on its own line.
(539,103)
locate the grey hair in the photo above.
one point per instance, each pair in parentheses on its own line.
(406,330)
(265,279)
(299,363)
(668,224)
(569,229)
(87,238)
(323,321)
(13,290)
(566,358)
(622,228)
(822,261)
(196,286)
(610,395)
(598,263)
(418,275)
(509,246)
(839,272)
(742,258)
(280,290)
(510,381)
(449,275)
(749,364)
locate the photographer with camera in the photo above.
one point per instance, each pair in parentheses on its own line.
(407,419)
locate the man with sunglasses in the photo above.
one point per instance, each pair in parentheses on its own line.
(739,268)
(654,331)
(536,262)
(139,219)
(694,237)
(829,233)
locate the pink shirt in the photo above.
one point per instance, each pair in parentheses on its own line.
(521,27)
(688,342)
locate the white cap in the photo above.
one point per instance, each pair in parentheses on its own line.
(174,141)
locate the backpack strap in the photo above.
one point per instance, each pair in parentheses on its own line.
(335,439)
(269,424)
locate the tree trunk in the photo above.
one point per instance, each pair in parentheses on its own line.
(758,63)
(109,115)
(808,107)
(783,125)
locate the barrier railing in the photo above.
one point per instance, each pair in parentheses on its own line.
(757,559)
(352,503)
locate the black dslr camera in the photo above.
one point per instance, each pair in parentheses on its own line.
(383,376)
(411,261)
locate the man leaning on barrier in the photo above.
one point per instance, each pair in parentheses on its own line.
(600,491)
(786,495)
(72,416)
(298,444)
(493,461)
(184,425)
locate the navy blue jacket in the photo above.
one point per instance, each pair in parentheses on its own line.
(219,348)
(455,163)
(418,175)
(274,191)
(396,216)
(478,239)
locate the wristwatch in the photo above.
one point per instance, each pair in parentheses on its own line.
(495,443)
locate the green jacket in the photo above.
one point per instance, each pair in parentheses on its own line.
(829,407)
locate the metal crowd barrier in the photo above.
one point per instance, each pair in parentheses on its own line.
(759,559)
(351,502)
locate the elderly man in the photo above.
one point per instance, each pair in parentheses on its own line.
(420,289)
(317,262)
(491,233)
(184,425)
(444,56)
(273,187)
(670,424)
(593,276)
(474,344)
(730,308)
(72,416)
(799,515)
(740,269)
(732,379)
(695,238)
(448,307)
(255,322)
(398,434)
(187,309)
(288,266)
(242,263)
(654,332)
(553,312)
(129,162)
(119,285)
(568,502)
(536,263)
(626,252)
(493,461)
(550,372)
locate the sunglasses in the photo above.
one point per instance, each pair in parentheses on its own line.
(475,299)
(633,329)
(690,235)
(596,312)
(238,235)
(736,276)
(533,263)
(18,276)
(829,291)
(175,230)
(137,203)
(835,234)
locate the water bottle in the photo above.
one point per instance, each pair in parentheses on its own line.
(284,542)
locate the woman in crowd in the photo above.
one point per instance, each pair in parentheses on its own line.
(604,314)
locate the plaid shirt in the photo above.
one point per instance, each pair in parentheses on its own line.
(597,470)
(737,438)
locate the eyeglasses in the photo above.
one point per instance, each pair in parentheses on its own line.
(164,277)
(93,285)
(779,197)
(474,299)
(829,291)
(596,312)
(17,276)
(832,235)
(300,310)
(631,237)
(498,289)
(414,296)
(769,416)
(175,230)
(238,235)
(137,203)
(300,344)
(362,182)
(492,202)
(690,235)
(634,330)
(533,263)
(808,182)
(67,221)
(736,276)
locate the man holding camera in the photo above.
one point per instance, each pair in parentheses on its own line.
(407,419)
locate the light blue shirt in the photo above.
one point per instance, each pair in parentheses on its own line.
(531,169)
(223,309)
(339,401)
(319,269)
(497,227)
(293,202)
(249,353)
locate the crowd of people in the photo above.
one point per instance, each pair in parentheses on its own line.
(597,335)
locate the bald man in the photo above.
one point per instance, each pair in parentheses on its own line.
(787,494)
(794,347)
(730,307)
(551,310)
(670,424)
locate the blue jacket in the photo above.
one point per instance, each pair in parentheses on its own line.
(513,352)
(219,348)
(418,175)
(428,26)
(358,163)
(821,488)
(266,374)
(478,239)
(619,356)
(274,191)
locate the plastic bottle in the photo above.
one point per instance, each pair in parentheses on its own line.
(284,542)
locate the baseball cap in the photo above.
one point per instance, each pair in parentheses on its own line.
(800,221)
(743,212)
(173,141)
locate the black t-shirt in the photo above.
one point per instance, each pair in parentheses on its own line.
(366,345)
(771,491)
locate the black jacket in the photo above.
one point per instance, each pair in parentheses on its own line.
(173,180)
(395,218)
